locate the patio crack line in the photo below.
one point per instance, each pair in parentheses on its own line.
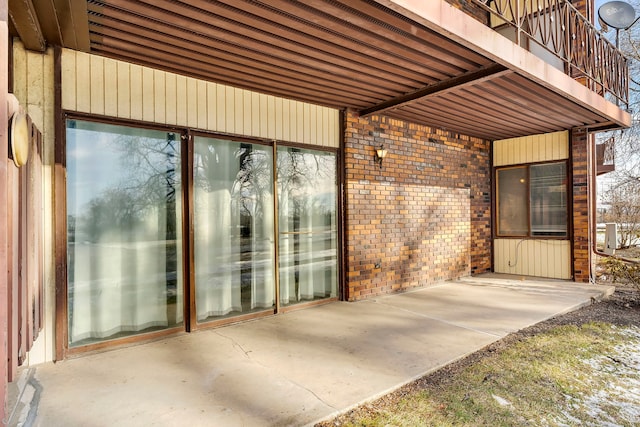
(439,320)
(247,355)
(236,344)
(313,393)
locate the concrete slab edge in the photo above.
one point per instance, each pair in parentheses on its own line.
(389,390)
(605,293)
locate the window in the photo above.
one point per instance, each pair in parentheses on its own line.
(124,238)
(532,200)
(258,215)
(308,237)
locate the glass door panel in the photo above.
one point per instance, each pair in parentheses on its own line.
(123,231)
(233,228)
(308,238)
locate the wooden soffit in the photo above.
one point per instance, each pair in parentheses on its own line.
(422,61)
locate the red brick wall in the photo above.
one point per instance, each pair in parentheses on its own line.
(580,202)
(424,216)
(586,7)
(470,7)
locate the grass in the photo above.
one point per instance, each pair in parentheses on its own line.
(569,375)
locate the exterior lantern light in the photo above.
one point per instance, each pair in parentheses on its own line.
(381,153)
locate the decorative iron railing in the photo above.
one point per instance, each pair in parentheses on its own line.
(560,29)
(606,156)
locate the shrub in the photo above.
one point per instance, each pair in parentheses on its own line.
(620,271)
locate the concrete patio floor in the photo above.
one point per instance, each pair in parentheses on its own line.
(296,368)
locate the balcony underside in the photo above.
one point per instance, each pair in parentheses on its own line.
(425,62)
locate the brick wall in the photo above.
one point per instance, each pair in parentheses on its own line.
(470,7)
(580,202)
(586,7)
(424,216)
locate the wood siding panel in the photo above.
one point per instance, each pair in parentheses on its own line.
(531,149)
(83,83)
(286,120)
(68,66)
(540,258)
(202,103)
(181,100)
(160,96)
(192,104)
(170,99)
(123,90)
(103,86)
(212,105)
(96,88)
(279,119)
(135,79)
(148,95)
(110,87)
(259,118)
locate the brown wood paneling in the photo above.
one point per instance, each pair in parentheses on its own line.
(59,217)
(13,279)
(27,24)
(23,268)
(50,26)
(201,54)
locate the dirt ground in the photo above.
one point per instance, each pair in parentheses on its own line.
(621,309)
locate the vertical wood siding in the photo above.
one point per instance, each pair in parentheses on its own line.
(532,257)
(541,258)
(33,85)
(531,149)
(106,87)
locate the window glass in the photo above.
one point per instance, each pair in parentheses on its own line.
(512,202)
(535,193)
(233,228)
(123,231)
(548,200)
(308,236)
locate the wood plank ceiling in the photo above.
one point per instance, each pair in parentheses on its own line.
(340,53)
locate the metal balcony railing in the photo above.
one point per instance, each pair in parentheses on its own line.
(568,38)
(606,156)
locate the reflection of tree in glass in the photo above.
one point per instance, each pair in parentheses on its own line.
(243,170)
(252,185)
(306,179)
(150,177)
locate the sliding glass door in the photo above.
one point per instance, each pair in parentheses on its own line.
(308,238)
(124,242)
(233,228)
(250,253)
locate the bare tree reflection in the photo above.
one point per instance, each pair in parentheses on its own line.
(306,197)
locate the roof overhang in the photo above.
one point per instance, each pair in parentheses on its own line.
(421,61)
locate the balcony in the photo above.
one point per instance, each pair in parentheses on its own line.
(557,32)
(425,62)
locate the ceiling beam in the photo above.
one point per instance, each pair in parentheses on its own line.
(23,15)
(455,83)
(74,23)
(49,21)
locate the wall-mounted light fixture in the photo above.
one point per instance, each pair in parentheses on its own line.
(381,153)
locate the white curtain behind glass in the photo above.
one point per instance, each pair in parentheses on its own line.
(307,252)
(122,265)
(234,255)
(215,260)
(262,255)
